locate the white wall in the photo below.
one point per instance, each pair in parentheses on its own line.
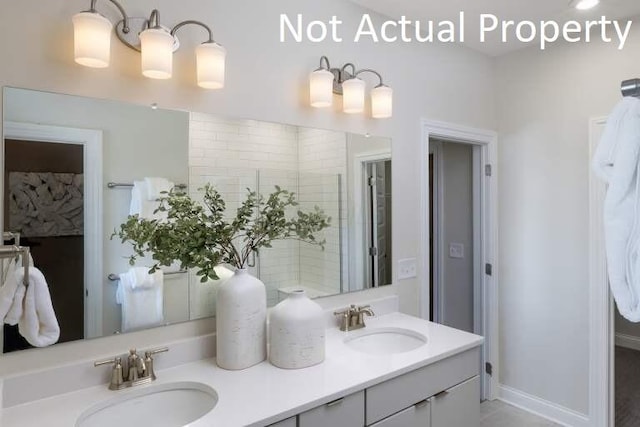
(266,80)
(137,142)
(457,227)
(545,101)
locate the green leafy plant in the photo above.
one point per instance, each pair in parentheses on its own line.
(199,235)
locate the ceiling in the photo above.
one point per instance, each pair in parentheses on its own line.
(516,10)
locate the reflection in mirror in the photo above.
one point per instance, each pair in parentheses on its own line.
(61,152)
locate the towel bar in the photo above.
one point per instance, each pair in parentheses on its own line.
(125,185)
(115,277)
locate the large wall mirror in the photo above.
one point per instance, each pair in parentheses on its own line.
(69,166)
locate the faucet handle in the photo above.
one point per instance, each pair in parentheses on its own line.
(117,379)
(149,353)
(148,361)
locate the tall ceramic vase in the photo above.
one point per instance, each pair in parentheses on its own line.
(296,333)
(241,322)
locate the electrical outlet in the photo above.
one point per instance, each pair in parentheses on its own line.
(456,250)
(407,269)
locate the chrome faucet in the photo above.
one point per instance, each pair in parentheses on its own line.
(139,371)
(352,318)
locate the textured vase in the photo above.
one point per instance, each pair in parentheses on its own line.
(241,322)
(296,333)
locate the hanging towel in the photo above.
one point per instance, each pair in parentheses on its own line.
(157,188)
(38,323)
(141,299)
(142,205)
(617,162)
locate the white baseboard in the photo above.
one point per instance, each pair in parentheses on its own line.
(628,341)
(543,408)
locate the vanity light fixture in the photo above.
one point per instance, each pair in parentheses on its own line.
(345,81)
(155,42)
(584,4)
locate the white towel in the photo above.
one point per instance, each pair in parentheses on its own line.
(617,162)
(142,305)
(38,323)
(156,187)
(142,206)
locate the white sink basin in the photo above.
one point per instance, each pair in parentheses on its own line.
(382,341)
(164,405)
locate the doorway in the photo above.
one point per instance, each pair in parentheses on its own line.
(459,236)
(378,223)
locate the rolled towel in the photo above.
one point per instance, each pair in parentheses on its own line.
(38,324)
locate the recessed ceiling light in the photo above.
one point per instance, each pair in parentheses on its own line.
(584,4)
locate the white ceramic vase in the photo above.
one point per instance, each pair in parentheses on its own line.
(296,333)
(241,322)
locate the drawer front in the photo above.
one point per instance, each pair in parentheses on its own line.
(457,407)
(418,415)
(404,391)
(345,412)
(289,422)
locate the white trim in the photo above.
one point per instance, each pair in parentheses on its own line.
(92,142)
(628,341)
(359,181)
(438,238)
(543,408)
(601,323)
(488,140)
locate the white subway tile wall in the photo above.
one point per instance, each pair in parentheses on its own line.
(235,155)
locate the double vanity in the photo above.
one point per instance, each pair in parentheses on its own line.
(398,371)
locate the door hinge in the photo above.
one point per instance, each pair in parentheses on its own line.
(371,181)
(488,367)
(488,170)
(488,269)
(373,251)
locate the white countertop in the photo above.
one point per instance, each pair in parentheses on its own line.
(264,394)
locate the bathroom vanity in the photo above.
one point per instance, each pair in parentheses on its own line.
(398,371)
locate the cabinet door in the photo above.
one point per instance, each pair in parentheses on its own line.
(418,415)
(289,422)
(345,412)
(457,407)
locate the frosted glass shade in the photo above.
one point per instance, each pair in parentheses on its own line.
(210,59)
(382,102)
(157,53)
(321,88)
(353,96)
(92,39)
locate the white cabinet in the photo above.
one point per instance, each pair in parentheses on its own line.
(459,406)
(419,415)
(345,412)
(290,422)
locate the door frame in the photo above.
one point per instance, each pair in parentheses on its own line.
(487,140)
(91,140)
(602,310)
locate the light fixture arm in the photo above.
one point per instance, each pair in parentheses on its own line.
(369,70)
(324,63)
(154,20)
(193,22)
(125,17)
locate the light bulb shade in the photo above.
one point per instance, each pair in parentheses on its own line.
(353,96)
(382,102)
(210,59)
(92,39)
(156,46)
(321,88)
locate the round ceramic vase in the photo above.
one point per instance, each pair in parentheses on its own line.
(241,322)
(296,333)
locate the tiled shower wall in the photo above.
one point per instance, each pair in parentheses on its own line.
(235,155)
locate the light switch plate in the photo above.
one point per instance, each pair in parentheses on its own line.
(456,250)
(407,269)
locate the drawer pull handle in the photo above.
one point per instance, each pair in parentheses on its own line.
(422,404)
(335,402)
(441,394)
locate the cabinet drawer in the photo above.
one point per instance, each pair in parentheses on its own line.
(457,407)
(345,412)
(289,422)
(418,415)
(404,391)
